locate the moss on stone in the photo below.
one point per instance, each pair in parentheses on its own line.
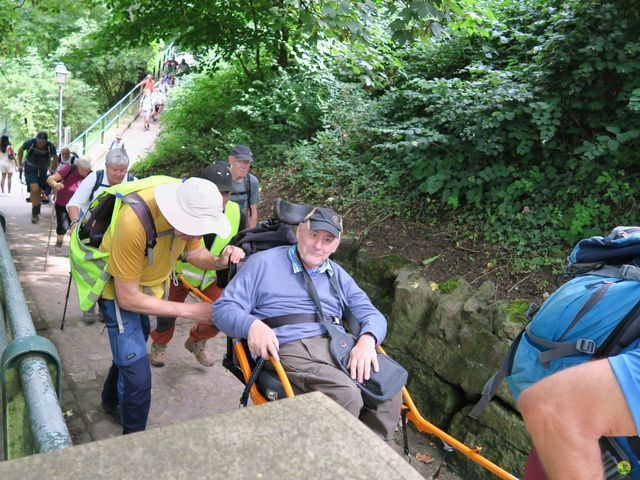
(449,286)
(517,309)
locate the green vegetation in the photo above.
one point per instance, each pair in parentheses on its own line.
(517,121)
(524,124)
(35,35)
(517,309)
(449,286)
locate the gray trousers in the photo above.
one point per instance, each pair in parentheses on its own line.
(311,368)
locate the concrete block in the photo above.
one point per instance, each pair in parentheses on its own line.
(309,436)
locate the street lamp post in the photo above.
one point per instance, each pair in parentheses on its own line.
(61,77)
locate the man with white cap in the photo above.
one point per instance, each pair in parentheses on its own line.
(181,212)
(117,143)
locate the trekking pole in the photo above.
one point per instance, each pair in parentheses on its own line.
(66,302)
(46,257)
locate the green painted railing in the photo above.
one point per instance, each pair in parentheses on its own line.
(126,107)
(30,375)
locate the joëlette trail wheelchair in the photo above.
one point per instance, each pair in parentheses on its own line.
(265,384)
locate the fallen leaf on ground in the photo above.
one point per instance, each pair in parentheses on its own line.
(424,457)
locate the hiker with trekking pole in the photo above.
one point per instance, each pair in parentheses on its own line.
(65,183)
(115,172)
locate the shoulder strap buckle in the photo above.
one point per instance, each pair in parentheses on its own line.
(585,345)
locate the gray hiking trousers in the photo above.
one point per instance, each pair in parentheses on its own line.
(311,368)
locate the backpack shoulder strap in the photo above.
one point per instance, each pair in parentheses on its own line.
(141,209)
(491,387)
(623,272)
(96,185)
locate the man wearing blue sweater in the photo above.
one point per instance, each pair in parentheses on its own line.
(271,286)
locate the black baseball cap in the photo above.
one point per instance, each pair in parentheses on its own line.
(324,219)
(220,175)
(42,135)
(241,152)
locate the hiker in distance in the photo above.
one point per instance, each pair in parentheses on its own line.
(246,189)
(40,153)
(65,183)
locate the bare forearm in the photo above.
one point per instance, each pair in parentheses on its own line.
(202,258)
(150,305)
(74,212)
(252,221)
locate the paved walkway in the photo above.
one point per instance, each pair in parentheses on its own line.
(182,390)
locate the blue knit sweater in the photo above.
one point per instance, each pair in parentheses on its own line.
(267,286)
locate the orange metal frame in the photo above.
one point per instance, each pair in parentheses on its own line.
(413,414)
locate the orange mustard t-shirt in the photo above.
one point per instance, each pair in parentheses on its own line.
(127,247)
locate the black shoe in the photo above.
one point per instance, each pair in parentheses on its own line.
(35,217)
(113,411)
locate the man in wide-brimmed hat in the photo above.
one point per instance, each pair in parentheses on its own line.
(182,212)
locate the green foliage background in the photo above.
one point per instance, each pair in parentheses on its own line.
(34,36)
(525,125)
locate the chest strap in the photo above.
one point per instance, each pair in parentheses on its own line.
(294,318)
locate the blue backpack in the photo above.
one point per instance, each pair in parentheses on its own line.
(594,315)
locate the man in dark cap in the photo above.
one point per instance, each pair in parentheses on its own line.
(269,292)
(246,190)
(40,154)
(205,280)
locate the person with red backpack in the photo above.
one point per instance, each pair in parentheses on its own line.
(65,183)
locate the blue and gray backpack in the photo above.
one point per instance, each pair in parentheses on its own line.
(594,315)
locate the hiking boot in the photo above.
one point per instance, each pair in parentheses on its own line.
(35,214)
(156,354)
(198,348)
(89,317)
(113,411)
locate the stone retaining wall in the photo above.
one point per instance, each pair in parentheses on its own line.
(451,337)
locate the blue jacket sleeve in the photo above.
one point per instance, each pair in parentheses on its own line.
(232,311)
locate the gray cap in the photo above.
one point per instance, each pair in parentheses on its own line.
(241,152)
(219,174)
(324,219)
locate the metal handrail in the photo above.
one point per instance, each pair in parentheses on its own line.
(88,138)
(97,130)
(31,412)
